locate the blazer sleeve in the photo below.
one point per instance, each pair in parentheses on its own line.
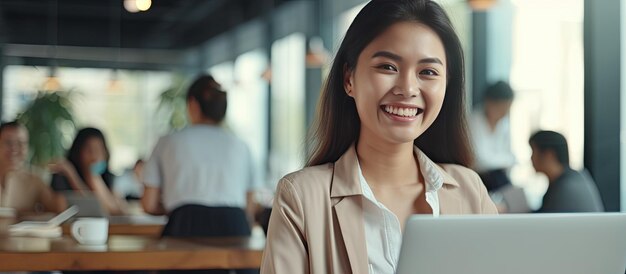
(286,245)
(486,204)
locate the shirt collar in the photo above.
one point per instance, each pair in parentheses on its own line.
(347,174)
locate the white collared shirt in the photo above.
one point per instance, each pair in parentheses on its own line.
(492,148)
(382,227)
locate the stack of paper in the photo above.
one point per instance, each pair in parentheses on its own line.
(48,229)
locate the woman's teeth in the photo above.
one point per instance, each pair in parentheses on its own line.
(405,112)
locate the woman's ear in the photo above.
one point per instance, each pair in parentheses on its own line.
(347,81)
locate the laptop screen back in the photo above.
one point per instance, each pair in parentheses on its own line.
(88,205)
(515,244)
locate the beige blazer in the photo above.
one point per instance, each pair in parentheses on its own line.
(317,223)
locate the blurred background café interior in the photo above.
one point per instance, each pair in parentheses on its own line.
(123,66)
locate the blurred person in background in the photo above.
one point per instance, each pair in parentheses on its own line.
(129,185)
(202,170)
(19,188)
(568,190)
(86,169)
(491,136)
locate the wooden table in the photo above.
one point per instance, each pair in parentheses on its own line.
(131,225)
(130,253)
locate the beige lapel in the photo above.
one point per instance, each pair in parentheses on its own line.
(449,195)
(349,210)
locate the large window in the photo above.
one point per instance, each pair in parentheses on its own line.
(547,76)
(247,103)
(127,114)
(288,106)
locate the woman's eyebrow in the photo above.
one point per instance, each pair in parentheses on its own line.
(398,58)
(431,60)
(387,54)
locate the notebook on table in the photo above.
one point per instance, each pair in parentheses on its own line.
(49,228)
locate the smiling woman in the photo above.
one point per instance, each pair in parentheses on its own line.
(402,69)
(390,141)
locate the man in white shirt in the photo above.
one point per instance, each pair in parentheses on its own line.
(491,136)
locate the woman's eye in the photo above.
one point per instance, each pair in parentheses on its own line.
(429,72)
(387,67)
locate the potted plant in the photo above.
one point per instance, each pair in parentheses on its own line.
(48,119)
(173,100)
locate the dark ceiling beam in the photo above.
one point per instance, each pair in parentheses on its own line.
(21,7)
(232,15)
(90,10)
(31,61)
(74,32)
(194,12)
(169,24)
(3,28)
(92,54)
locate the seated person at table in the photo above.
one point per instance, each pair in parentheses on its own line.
(129,185)
(202,166)
(86,169)
(491,136)
(569,190)
(19,188)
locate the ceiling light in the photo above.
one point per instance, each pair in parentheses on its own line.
(115,84)
(131,6)
(267,74)
(143,5)
(51,83)
(481,5)
(316,56)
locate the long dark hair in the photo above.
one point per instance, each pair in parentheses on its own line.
(337,123)
(73,155)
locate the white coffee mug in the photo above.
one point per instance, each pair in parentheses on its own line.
(91,231)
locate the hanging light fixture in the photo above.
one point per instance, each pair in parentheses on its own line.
(317,55)
(143,5)
(267,74)
(115,84)
(481,5)
(134,6)
(52,83)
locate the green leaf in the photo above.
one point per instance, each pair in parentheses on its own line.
(46,118)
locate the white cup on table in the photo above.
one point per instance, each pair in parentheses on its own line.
(91,231)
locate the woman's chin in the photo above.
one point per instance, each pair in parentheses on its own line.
(402,138)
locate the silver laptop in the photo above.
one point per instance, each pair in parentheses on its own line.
(583,243)
(87,204)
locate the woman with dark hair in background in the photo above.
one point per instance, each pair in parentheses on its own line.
(390,141)
(86,169)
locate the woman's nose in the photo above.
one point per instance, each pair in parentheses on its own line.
(407,85)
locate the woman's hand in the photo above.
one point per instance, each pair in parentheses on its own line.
(65,168)
(62,167)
